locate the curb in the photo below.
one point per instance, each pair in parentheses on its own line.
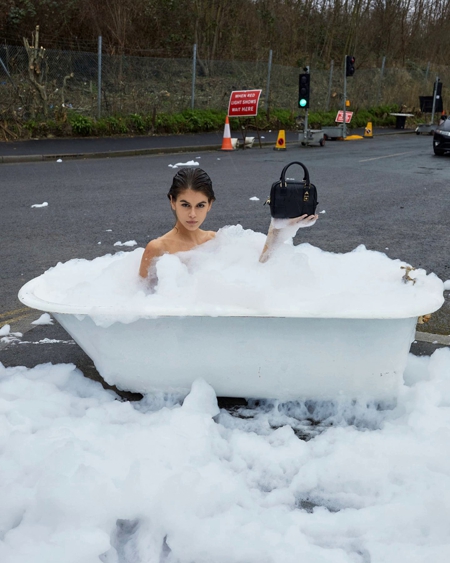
(432,338)
(20,158)
(10,159)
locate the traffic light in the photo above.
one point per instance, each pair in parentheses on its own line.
(349,65)
(304,90)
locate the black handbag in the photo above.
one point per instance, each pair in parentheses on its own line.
(291,198)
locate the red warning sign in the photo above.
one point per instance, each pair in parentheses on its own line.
(340,116)
(244,103)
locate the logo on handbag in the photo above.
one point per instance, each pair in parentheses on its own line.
(291,198)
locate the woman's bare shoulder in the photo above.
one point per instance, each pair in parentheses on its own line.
(154,249)
(157,246)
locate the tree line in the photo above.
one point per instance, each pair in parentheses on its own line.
(300,32)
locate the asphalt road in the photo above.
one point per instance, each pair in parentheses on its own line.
(389,193)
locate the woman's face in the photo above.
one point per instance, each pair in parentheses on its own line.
(191,208)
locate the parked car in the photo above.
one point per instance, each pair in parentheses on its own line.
(441,138)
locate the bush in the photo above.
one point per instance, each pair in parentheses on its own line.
(321,119)
(116,125)
(282,119)
(137,123)
(203,120)
(81,125)
(192,121)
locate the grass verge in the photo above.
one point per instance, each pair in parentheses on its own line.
(196,121)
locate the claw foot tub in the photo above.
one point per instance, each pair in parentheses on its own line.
(318,349)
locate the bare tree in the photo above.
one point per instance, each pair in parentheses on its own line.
(36,59)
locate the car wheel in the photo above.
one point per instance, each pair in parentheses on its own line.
(438,152)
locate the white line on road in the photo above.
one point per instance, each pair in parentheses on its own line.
(386,156)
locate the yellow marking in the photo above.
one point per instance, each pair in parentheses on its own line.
(13,320)
(16,311)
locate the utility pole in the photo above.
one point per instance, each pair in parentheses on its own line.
(344,124)
(99,77)
(349,70)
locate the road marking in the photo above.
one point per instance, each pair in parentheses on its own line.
(11,317)
(13,320)
(14,312)
(386,156)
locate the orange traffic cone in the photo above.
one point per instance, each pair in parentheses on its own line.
(226,142)
(281,141)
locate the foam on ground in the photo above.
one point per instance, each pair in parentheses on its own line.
(86,478)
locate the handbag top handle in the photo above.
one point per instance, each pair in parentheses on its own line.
(283,174)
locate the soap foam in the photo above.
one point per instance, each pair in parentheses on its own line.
(87,478)
(224,277)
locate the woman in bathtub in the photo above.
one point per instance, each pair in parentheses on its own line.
(191,197)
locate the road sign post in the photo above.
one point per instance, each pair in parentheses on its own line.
(244,104)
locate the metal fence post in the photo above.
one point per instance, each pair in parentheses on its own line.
(269,70)
(99,87)
(194,63)
(329,85)
(381,80)
(427,72)
(8,75)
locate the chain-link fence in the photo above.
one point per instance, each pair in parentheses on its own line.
(146,85)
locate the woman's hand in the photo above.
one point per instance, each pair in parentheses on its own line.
(284,229)
(281,230)
(298,222)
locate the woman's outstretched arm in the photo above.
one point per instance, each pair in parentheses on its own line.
(281,230)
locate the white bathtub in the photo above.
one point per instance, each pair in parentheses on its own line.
(240,356)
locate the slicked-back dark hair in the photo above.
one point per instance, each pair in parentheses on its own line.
(191,179)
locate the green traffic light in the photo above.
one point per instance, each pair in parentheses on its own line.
(302,103)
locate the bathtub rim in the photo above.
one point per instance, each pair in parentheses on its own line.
(28,297)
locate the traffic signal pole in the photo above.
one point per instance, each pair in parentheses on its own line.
(435,89)
(344,124)
(349,70)
(304,95)
(428,128)
(303,98)
(305,127)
